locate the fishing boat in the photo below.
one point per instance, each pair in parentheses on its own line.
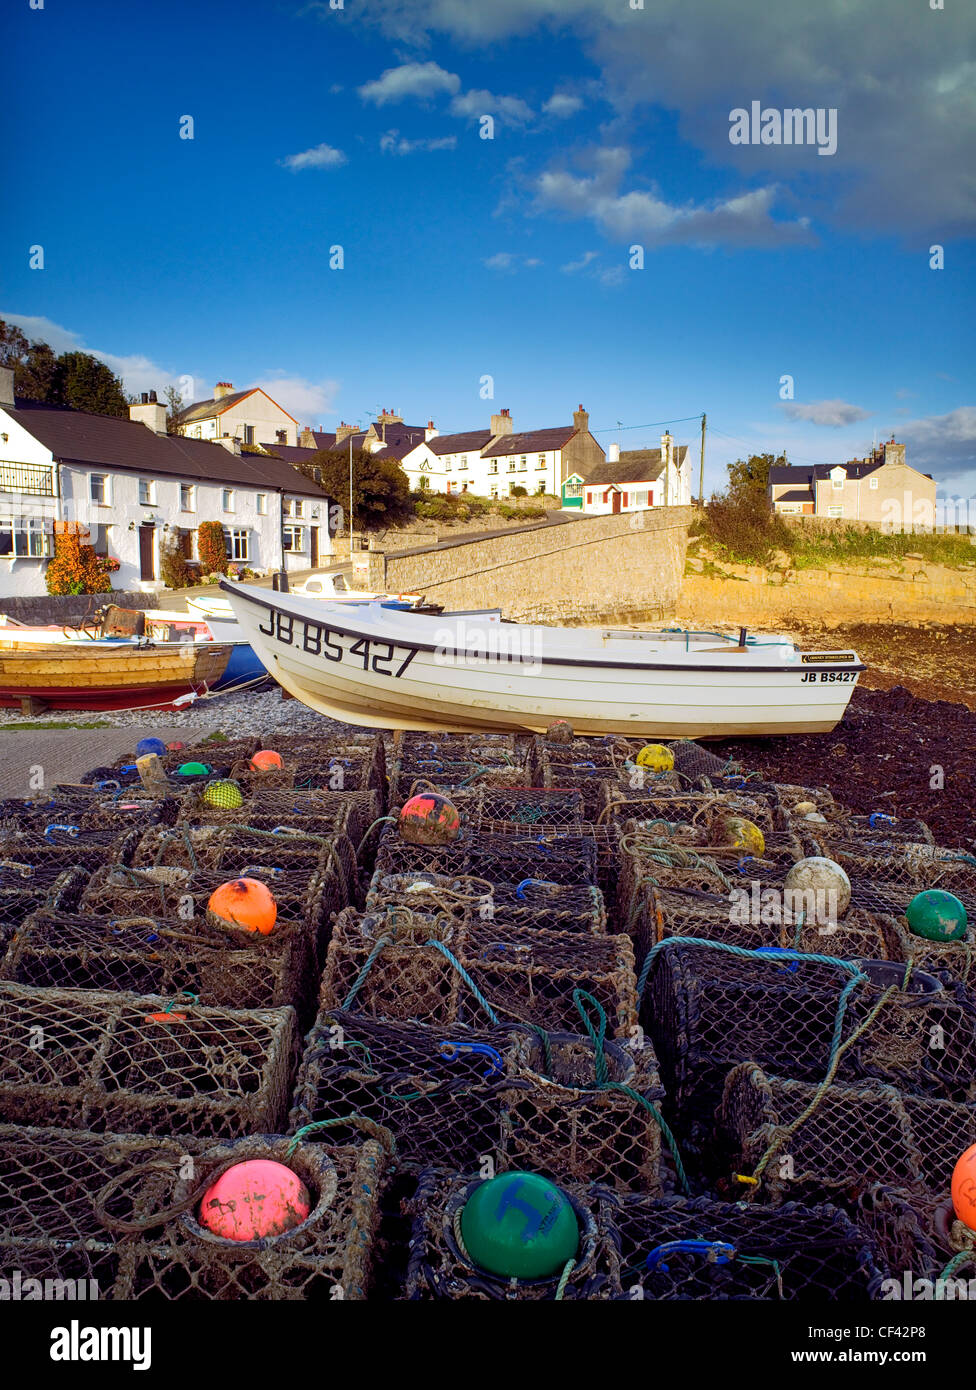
(390,669)
(110,675)
(330,588)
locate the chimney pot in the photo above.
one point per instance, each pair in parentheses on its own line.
(145,397)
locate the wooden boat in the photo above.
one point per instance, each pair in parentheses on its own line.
(109,675)
(389,669)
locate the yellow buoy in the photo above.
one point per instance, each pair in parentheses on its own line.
(656,757)
(736,832)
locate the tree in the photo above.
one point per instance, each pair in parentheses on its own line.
(75,568)
(175,402)
(36,377)
(749,478)
(380,489)
(14,346)
(85,383)
(741,521)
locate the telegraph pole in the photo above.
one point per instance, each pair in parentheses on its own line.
(701,471)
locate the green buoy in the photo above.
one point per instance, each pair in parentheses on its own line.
(520,1226)
(192,769)
(937,915)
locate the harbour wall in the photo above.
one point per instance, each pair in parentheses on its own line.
(595,569)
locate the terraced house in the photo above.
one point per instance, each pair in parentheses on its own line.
(881,489)
(133,489)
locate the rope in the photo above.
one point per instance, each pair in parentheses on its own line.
(367,967)
(439,946)
(376,1131)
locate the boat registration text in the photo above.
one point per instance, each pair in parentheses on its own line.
(385,658)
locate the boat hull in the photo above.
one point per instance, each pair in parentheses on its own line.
(388,670)
(110,676)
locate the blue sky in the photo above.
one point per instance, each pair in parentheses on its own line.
(509,257)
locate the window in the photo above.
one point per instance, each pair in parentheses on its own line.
(293,506)
(198,432)
(262,504)
(541,461)
(835,511)
(493,466)
(424,483)
(248,434)
(837,484)
(281,436)
(640,499)
(464,461)
(21,535)
(293,538)
(98,489)
(873,484)
(574,489)
(523,464)
(494,489)
(227,499)
(186,543)
(188,497)
(447,465)
(236,542)
(147,492)
(541,489)
(589,498)
(511,465)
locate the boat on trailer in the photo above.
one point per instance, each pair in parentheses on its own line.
(458,672)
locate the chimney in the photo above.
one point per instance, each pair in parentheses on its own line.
(150,412)
(307,439)
(343,431)
(613,453)
(581,419)
(430,432)
(222,389)
(6,387)
(667,448)
(501,423)
(230,443)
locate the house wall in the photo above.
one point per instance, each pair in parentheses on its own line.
(257,410)
(903,496)
(24,575)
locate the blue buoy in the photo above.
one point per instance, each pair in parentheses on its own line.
(150,745)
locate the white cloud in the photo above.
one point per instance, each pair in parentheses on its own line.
(319,157)
(572,266)
(562,104)
(42,330)
(832,413)
(136,371)
(306,400)
(511,261)
(644,217)
(421,80)
(945,446)
(477,103)
(393,143)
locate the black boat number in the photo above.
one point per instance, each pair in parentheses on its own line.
(318,641)
(829,676)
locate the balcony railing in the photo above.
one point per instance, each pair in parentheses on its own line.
(35,479)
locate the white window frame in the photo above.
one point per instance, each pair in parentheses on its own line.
(189,489)
(837,484)
(262,503)
(238,539)
(493,466)
(511,465)
(873,484)
(293,540)
(447,465)
(150,486)
(35,539)
(835,511)
(106,498)
(227,499)
(541,462)
(248,437)
(494,490)
(464,462)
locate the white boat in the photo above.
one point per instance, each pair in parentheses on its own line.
(390,669)
(330,588)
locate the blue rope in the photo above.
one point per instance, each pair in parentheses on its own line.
(439,945)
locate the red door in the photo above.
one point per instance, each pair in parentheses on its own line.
(616,502)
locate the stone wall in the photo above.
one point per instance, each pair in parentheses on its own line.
(624,568)
(71,608)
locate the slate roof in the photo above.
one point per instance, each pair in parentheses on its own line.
(102,441)
(468,442)
(796,495)
(634,466)
(203,410)
(820,472)
(534,442)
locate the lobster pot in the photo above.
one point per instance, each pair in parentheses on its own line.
(903,870)
(319,813)
(750,921)
(221,847)
(447,761)
(351,771)
(328,1256)
(74,816)
(45,878)
(218,754)
(496,1092)
(49,1179)
(254,781)
(912,1231)
(91,1060)
(696,810)
(694,1248)
(318,752)
(530,904)
(590,773)
(165,957)
(182,895)
(876,829)
(496,811)
(707,1010)
(439,1266)
(859,1132)
(50,854)
(553,856)
(790,794)
(956,958)
(405,965)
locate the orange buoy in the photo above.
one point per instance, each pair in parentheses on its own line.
(964,1188)
(429,819)
(559,731)
(265,758)
(255,1199)
(243,902)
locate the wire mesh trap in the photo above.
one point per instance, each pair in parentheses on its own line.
(555,856)
(123,1210)
(453,761)
(677,812)
(406,965)
(917,1237)
(816,1143)
(678,1248)
(219,847)
(954,958)
(531,903)
(456,1096)
(495,811)
(157,955)
(93,1060)
(439,1266)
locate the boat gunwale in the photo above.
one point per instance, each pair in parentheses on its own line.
(596,662)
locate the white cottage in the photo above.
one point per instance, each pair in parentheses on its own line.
(133,487)
(249,416)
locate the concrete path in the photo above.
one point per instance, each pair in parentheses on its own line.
(35,760)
